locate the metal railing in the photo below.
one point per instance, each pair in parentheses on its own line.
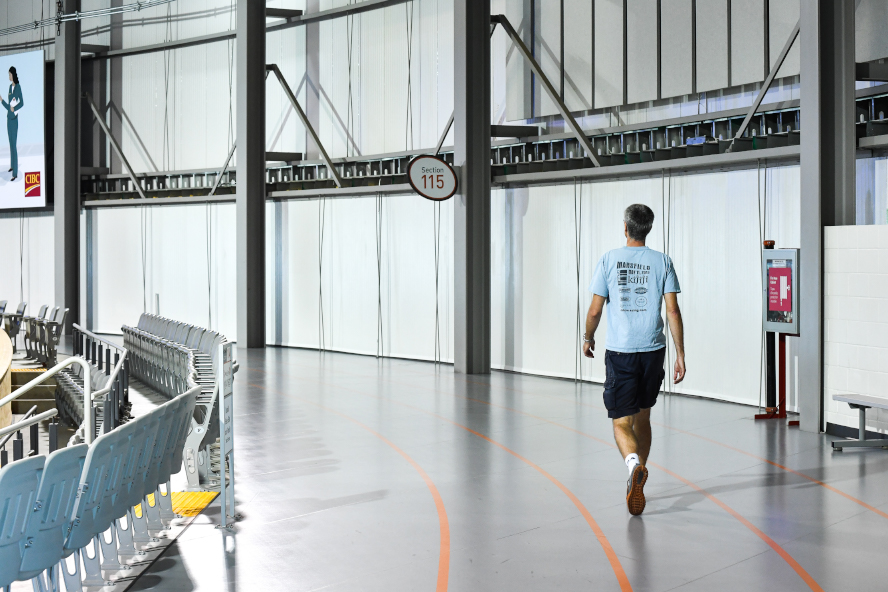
(97,351)
(88,412)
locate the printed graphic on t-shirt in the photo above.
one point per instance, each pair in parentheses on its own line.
(635,276)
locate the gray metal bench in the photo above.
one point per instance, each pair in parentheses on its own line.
(861,403)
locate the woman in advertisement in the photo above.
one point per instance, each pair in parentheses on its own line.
(14,104)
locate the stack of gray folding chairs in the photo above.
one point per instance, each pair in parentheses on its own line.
(11,322)
(162,352)
(42,334)
(55,506)
(165,354)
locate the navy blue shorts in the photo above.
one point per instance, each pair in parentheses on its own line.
(633,381)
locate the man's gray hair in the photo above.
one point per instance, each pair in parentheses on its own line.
(639,220)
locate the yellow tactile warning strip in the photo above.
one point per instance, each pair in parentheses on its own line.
(185,503)
(27,369)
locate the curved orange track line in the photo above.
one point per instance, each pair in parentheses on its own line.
(787,469)
(599,534)
(717,443)
(612,558)
(768,540)
(444,525)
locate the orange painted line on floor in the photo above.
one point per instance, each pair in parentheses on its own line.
(599,534)
(847,496)
(612,558)
(806,577)
(768,540)
(443,524)
(787,469)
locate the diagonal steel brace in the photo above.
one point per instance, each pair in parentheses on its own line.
(114,144)
(305,122)
(550,90)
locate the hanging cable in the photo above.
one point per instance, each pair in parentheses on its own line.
(142,229)
(667,215)
(322,209)
(21,255)
(763,232)
(167,55)
(209,221)
(578,223)
(408,126)
(380,337)
(350,112)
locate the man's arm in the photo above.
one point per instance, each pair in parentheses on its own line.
(673,314)
(593,317)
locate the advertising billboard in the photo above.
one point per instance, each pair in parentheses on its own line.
(22,139)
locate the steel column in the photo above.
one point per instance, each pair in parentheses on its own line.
(472,208)
(250,173)
(66,193)
(827,174)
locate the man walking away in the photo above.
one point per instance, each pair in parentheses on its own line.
(634,280)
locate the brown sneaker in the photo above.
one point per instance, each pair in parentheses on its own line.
(635,490)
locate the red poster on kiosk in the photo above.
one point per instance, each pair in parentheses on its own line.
(780,289)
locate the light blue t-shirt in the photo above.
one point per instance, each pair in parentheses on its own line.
(634,279)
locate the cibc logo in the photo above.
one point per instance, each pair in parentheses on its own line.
(32,184)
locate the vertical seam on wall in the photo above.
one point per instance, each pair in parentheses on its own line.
(592,29)
(730,54)
(693,46)
(562,50)
(625,52)
(659,51)
(767,38)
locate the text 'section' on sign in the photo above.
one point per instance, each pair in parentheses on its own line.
(432,178)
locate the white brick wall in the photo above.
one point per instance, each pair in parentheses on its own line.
(856,316)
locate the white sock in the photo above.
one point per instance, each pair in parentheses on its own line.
(632,461)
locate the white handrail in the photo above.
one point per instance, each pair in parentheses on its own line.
(111,378)
(26,422)
(88,412)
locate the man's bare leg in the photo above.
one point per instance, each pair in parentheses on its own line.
(633,434)
(641,426)
(624,434)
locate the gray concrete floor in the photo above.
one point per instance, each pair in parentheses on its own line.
(362,474)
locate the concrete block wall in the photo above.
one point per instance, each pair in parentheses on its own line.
(856,320)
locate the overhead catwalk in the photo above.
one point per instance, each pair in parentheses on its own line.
(362,474)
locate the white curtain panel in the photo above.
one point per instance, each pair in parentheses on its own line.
(189,263)
(708,223)
(27,272)
(359,275)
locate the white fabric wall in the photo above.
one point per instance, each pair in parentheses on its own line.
(712,225)
(27,273)
(340,293)
(174,240)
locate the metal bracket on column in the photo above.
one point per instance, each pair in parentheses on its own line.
(114,144)
(305,122)
(550,90)
(767,84)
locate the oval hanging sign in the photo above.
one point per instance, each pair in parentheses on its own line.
(432,178)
